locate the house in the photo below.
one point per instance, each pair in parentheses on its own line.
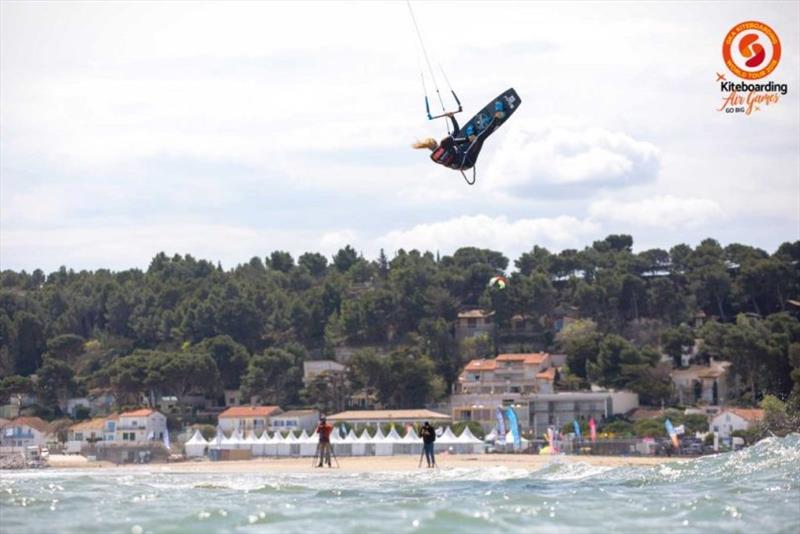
(474,323)
(538,411)
(702,383)
(730,420)
(77,402)
(26,432)
(85,434)
(314,368)
(294,420)
(139,426)
(244,418)
(508,373)
(563,316)
(384,417)
(101,401)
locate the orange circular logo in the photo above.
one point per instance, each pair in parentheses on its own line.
(751,50)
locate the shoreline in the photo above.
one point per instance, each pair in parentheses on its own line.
(364,464)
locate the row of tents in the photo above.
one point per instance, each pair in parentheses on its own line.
(277,445)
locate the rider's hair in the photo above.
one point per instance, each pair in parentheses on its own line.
(429,143)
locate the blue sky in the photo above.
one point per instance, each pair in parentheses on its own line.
(228,130)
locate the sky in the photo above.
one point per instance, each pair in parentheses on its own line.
(230,130)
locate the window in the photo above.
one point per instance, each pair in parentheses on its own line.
(472,323)
(78,436)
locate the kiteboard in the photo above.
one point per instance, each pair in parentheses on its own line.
(506,103)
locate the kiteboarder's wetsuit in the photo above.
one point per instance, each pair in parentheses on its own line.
(428,435)
(460,153)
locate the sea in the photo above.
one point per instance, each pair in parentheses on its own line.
(754,490)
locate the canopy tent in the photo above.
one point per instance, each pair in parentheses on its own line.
(290,446)
(196,446)
(229,443)
(263,441)
(510,440)
(411,443)
(386,446)
(308,444)
(250,441)
(359,446)
(468,443)
(446,441)
(271,446)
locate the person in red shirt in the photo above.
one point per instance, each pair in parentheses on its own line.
(324,448)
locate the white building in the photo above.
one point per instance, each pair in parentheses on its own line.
(294,420)
(245,418)
(731,419)
(25,432)
(139,426)
(538,411)
(474,323)
(85,434)
(314,368)
(702,383)
(508,373)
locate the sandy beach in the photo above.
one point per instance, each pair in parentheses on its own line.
(365,463)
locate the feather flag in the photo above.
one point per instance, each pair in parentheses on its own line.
(577,428)
(593,429)
(514,424)
(501,425)
(671,431)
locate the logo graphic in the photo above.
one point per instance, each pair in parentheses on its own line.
(751,50)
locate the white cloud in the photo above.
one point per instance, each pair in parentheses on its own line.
(497,233)
(562,160)
(665,211)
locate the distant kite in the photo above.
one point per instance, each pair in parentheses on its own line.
(498,282)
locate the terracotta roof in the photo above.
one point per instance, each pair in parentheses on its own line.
(535,358)
(481,365)
(250,411)
(474,314)
(33,422)
(92,424)
(748,414)
(547,374)
(387,415)
(141,412)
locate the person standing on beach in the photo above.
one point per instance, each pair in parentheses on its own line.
(324,448)
(428,435)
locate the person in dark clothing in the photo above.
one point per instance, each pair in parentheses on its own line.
(324,448)
(459,153)
(428,435)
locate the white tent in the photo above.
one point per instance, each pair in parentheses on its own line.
(196,446)
(468,443)
(446,441)
(229,443)
(271,446)
(386,446)
(250,441)
(359,447)
(411,443)
(290,446)
(491,436)
(259,449)
(510,440)
(308,444)
(218,440)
